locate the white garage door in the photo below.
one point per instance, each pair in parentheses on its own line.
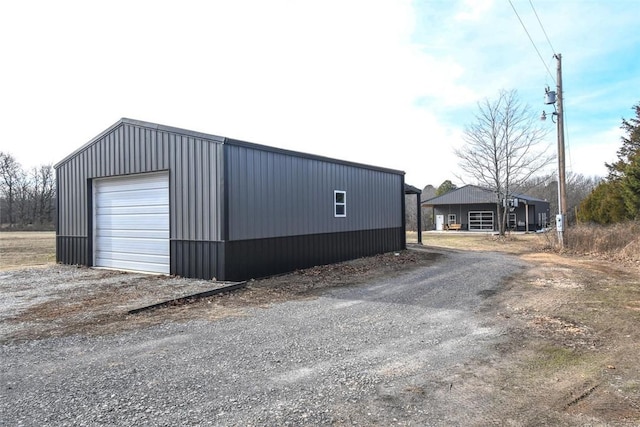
(131,223)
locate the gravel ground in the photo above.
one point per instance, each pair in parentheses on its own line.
(400,350)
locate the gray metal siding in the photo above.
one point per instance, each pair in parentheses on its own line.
(462,213)
(195,184)
(274,194)
(195,177)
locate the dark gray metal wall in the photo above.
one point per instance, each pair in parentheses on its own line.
(462,213)
(275,194)
(237,210)
(194,162)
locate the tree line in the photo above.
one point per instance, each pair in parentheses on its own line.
(27,197)
(617,198)
(504,153)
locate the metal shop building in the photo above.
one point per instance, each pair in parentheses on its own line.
(473,208)
(147,197)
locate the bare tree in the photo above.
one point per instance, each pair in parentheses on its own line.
(10,184)
(545,187)
(504,148)
(42,190)
(410,214)
(26,199)
(47,194)
(428,192)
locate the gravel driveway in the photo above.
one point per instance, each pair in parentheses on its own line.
(402,350)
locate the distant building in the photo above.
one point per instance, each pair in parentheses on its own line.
(474,209)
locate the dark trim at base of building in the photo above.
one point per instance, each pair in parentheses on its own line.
(73,250)
(246,259)
(197,259)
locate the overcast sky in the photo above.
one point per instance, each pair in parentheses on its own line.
(385,82)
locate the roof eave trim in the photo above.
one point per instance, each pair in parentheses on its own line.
(253,145)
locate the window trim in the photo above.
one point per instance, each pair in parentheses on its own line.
(337,204)
(450,217)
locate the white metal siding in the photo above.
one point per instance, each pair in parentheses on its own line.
(131,222)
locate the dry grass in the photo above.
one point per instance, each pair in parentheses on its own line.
(514,243)
(26,248)
(617,241)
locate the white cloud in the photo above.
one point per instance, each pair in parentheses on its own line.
(588,153)
(391,83)
(473,10)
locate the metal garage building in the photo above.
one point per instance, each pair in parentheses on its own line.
(147,197)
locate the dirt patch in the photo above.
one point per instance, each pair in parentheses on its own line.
(574,347)
(63,300)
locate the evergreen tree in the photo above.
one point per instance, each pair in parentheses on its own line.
(445,187)
(618,198)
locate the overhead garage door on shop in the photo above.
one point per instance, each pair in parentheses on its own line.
(480,221)
(131,223)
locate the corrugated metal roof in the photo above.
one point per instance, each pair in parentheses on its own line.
(410,189)
(463,196)
(224,140)
(471,194)
(529,198)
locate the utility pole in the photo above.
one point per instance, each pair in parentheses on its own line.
(562,192)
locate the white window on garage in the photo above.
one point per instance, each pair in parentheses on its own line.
(513,221)
(451,219)
(131,223)
(340,204)
(480,221)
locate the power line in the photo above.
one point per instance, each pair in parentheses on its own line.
(568,141)
(532,42)
(542,27)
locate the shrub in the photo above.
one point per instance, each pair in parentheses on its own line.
(620,241)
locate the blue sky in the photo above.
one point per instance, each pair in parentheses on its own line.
(389,82)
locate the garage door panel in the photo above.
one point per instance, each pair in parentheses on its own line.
(133,245)
(151,267)
(126,185)
(143,234)
(141,181)
(131,221)
(132,210)
(132,258)
(132,198)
